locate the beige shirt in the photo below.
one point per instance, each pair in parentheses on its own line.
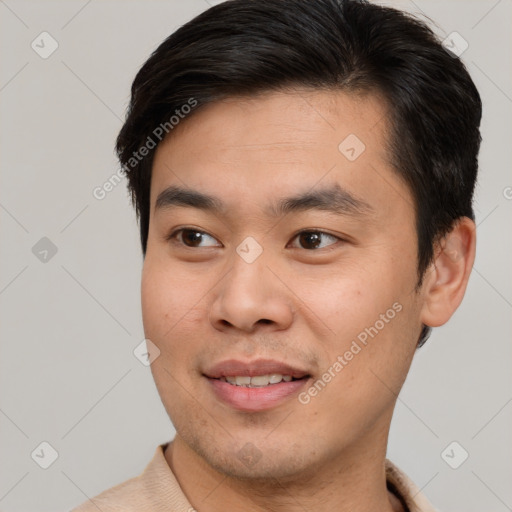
(157,490)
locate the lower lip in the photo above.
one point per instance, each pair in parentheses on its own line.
(256,399)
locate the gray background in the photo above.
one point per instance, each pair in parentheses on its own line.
(69,325)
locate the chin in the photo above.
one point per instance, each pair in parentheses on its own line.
(242,460)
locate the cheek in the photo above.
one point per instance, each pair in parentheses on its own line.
(170,301)
(171,313)
(371,314)
(366,359)
(351,298)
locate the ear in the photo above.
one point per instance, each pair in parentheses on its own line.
(447,277)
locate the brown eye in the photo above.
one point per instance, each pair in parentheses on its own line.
(192,238)
(314,239)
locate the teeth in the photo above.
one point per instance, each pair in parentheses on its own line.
(243,381)
(275,378)
(257,381)
(260,380)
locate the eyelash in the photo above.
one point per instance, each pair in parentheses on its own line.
(174,234)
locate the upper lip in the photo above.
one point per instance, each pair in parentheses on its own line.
(233,367)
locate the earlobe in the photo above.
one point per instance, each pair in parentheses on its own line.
(447,278)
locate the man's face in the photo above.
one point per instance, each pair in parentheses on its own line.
(242,293)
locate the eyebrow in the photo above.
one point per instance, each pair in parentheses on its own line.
(334,199)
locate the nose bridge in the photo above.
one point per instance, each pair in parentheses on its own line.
(247,280)
(249,293)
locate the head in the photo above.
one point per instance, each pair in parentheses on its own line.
(252,124)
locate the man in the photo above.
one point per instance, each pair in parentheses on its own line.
(303,173)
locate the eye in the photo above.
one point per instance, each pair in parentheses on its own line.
(313,239)
(191,237)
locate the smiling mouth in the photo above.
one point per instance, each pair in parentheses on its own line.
(258,381)
(257,385)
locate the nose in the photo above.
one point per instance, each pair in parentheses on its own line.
(251,295)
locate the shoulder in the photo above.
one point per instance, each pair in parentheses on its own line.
(125,496)
(406,490)
(155,490)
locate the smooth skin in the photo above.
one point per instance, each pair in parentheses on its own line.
(302,301)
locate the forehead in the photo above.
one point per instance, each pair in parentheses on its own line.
(280,121)
(277,143)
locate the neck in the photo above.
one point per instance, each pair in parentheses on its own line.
(354,481)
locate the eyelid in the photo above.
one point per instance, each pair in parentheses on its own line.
(175,232)
(318,231)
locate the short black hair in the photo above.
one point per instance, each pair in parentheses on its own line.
(247,47)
